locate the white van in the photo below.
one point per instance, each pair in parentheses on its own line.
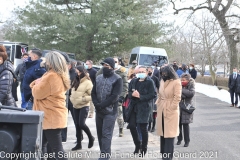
(146,56)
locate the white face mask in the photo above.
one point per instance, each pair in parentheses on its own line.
(116,66)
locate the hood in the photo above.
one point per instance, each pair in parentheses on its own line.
(7,65)
(42,64)
(191,82)
(121,69)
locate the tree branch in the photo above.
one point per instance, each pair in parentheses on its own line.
(234,15)
(216,6)
(189,8)
(225,9)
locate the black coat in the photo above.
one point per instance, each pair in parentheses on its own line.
(188,93)
(193,73)
(6,80)
(92,74)
(232,83)
(237,84)
(141,106)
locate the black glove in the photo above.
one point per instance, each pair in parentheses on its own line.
(98,107)
(121,99)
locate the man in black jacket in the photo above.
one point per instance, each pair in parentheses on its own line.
(92,74)
(232,87)
(105,95)
(19,72)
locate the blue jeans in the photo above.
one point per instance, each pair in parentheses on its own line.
(29,105)
(24,103)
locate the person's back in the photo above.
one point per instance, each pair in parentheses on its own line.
(33,72)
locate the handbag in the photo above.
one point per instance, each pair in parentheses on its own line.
(187,108)
(126,102)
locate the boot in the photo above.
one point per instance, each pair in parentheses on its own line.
(91,142)
(137,149)
(178,142)
(120,132)
(186,144)
(77,147)
(143,151)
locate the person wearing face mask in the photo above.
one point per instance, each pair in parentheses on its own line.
(6,79)
(131,70)
(141,92)
(168,110)
(92,74)
(232,85)
(80,98)
(34,70)
(188,92)
(105,96)
(152,121)
(19,72)
(192,71)
(182,69)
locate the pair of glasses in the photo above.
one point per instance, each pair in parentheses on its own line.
(141,72)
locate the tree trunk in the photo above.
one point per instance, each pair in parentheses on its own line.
(231,43)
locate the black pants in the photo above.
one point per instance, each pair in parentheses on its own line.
(134,132)
(105,124)
(167,145)
(54,139)
(186,132)
(232,93)
(64,130)
(80,116)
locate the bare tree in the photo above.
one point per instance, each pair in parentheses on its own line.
(219,9)
(211,42)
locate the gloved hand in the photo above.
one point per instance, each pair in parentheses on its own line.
(98,107)
(121,99)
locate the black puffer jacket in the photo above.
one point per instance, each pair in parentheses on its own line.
(188,93)
(6,80)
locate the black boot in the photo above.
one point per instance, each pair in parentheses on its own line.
(91,142)
(143,151)
(77,147)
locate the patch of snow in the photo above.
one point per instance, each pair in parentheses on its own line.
(213,92)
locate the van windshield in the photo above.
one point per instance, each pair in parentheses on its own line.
(148,60)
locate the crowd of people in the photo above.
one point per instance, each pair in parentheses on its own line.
(146,98)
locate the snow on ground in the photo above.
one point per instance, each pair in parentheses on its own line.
(213,91)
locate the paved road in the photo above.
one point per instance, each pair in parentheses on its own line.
(215,134)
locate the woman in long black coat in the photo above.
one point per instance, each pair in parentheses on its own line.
(188,92)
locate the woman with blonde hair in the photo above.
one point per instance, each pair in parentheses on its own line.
(49,97)
(80,98)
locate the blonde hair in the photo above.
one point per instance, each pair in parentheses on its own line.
(59,65)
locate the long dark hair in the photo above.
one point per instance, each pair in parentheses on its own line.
(77,80)
(170,72)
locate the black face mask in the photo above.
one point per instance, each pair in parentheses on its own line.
(107,72)
(165,77)
(149,73)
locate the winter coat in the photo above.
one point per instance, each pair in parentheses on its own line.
(6,81)
(92,74)
(188,93)
(130,72)
(237,84)
(180,72)
(232,83)
(141,106)
(33,72)
(49,97)
(20,71)
(82,96)
(105,93)
(168,106)
(122,73)
(193,73)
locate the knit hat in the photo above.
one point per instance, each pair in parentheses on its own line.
(110,61)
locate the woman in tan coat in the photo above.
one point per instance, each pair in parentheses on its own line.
(49,97)
(80,98)
(168,110)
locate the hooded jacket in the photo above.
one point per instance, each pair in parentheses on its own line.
(6,80)
(33,72)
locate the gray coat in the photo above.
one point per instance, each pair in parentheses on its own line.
(188,93)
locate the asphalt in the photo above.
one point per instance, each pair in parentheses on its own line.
(214,134)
